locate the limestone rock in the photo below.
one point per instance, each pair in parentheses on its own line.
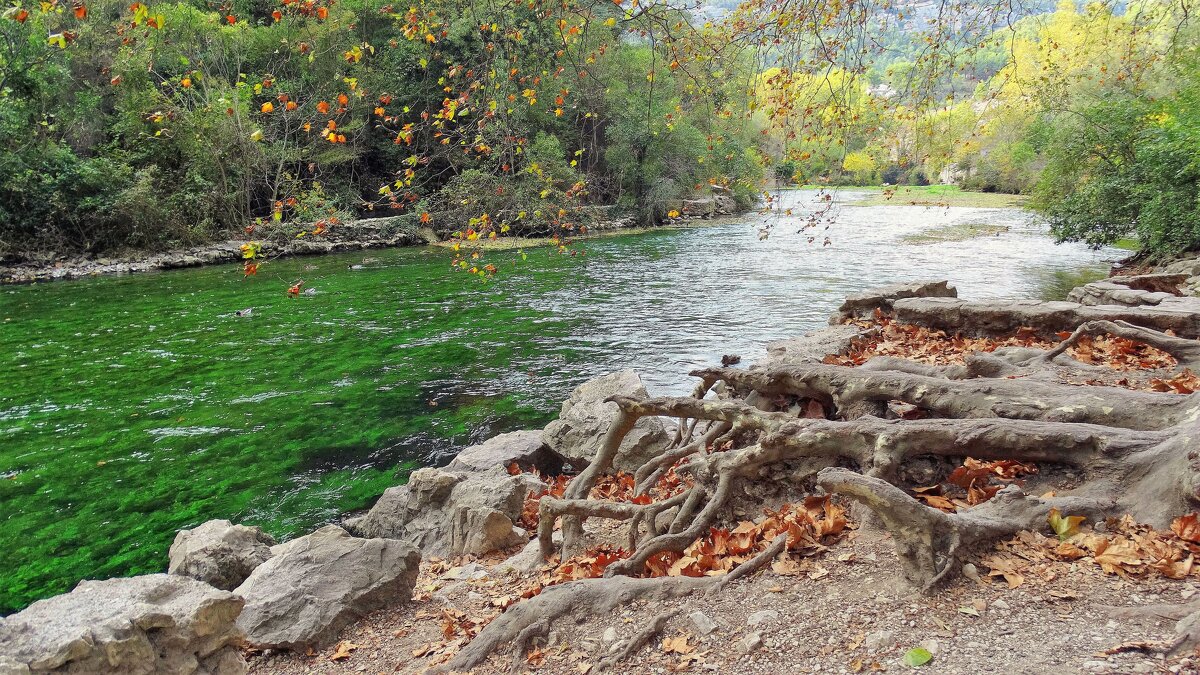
(863,305)
(1131,291)
(1178,314)
(318,584)
(726,205)
(446,513)
(812,347)
(219,553)
(704,208)
(703,624)
(523,448)
(157,623)
(579,431)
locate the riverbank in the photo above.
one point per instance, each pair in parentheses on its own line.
(375,233)
(446,573)
(313,406)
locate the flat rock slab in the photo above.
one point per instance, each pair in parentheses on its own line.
(157,623)
(219,553)
(863,305)
(1178,314)
(812,347)
(316,585)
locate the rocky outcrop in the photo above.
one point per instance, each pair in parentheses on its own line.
(1181,315)
(219,553)
(863,305)
(318,584)
(1132,291)
(579,431)
(523,448)
(158,623)
(812,347)
(444,512)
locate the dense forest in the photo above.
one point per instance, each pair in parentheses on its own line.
(134,126)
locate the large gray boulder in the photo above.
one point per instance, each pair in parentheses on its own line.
(316,585)
(523,448)
(579,431)
(446,513)
(219,553)
(157,623)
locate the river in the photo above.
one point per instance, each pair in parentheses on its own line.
(133,406)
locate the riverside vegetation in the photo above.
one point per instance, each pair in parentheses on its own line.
(149,126)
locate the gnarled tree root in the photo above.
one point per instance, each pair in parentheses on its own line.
(534,617)
(931,543)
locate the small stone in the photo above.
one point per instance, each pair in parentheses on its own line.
(930,646)
(969,571)
(879,640)
(999,604)
(762,616)
(751,642)
(1187,592)
(1142,667)
(702,623)
(1095,666)
(609,635)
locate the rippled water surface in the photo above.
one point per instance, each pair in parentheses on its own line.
(133,406)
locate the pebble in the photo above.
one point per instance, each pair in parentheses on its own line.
(762,616)
(879,640)
(969,571)
(752,642)
(609,635)
(702,623)
(1000,604)
(1096,666)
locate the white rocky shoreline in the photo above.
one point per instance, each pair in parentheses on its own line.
(356,235)
(229,586)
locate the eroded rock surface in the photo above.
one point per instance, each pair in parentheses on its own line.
(157,623)
(219,553)
(523,448)
(863,305)
(446,513)
(579,431)
(315,585)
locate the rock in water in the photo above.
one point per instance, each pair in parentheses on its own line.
(523,448)
(157,623)
(219,553)
(445,513)
(318,584)
(579,431)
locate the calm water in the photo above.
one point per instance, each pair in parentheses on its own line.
(133,406)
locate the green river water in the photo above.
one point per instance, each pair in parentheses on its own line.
(133,406)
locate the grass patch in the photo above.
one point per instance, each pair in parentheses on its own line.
(1127,244)
(938,195)
(954,232)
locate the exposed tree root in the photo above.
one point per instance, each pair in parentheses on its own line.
(807,428)
(534,617)
(930,542)
(1186,352)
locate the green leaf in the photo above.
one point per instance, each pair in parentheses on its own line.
(919,656)
(1064,527)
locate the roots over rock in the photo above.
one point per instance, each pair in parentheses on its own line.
(780,433)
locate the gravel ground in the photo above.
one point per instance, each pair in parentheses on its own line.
(845,611)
